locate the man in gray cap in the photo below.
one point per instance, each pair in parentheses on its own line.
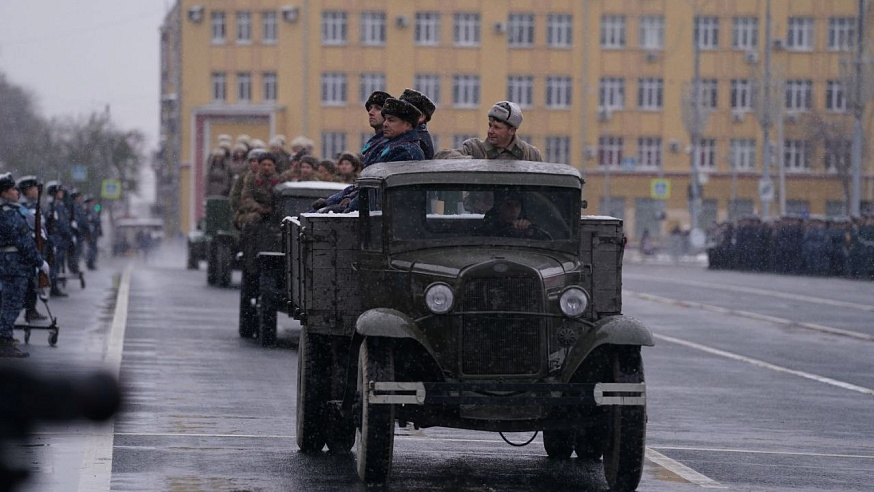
(501,141)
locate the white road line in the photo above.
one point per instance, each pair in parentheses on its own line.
(754,290)
(95,473)
(682,470)
(752,315)
(777,453)
(767,365)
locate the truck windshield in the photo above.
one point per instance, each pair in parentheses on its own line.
(432,213)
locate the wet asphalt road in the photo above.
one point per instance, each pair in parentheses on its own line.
(749,388)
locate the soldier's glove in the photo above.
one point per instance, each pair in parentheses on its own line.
(321,202)
(45,267)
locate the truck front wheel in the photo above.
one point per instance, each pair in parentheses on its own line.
(376,433)
(624,448)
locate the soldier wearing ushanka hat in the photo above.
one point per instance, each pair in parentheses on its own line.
(427,107)
(501,141)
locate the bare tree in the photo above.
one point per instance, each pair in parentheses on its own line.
(831,134)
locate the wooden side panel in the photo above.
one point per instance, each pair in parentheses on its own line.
(602,245)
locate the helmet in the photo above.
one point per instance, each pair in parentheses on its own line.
(26,182)
(6,182)
(53,187)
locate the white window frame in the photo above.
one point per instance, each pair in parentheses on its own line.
(218,27)
(799,95)
(745,33)
(844,147)
(333,144)
(650,94)
(709,93)
(466,29)
(742,95)
(559,30)
(559,92)
(835,97)
(269,27)
(335,31)
(610,151)
(705,157)
(368,83)
(706,32)
(269,86)
(244,87)
(428,84)
(842,33)
(333,89)
(651,32)
(611,93)
(219,83)
(742,154)
(520,30)
(465,90)
(428,28)
(796,156)
(799,34)
(558,149)
(520,90)
(650,152)
(244,27)
(372,28)
(613,31)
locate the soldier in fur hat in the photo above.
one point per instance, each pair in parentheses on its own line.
(427,107)
(501,141)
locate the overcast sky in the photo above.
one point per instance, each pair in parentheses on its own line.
(77,57)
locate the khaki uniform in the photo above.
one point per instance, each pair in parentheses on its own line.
(481,149)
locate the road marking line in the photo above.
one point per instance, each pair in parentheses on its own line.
(767,365)
(779,453)
(752,315)
(96,469)
(682,470)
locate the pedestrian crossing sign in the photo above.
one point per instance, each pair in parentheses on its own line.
(660,189)
(110,189)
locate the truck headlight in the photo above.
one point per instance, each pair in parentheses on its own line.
(573,302)
(439,298)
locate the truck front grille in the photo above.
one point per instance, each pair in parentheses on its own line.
(518,294)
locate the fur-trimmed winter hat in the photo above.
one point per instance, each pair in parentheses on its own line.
(6,182)
(26,182)
(403,110)
(377,98)
(420,101)
(507,112)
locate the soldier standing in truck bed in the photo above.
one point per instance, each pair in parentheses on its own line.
(501,141)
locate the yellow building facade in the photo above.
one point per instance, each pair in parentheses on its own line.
(605,85)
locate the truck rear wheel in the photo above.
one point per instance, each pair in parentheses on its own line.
(211,268)
(223,262)
(267,311)
(311,392)
(248,322)
(558,444)
(624,447)
(376,435)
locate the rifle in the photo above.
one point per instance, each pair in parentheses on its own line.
(42,280)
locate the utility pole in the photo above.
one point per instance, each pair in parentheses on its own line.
(858,109)
(766,120)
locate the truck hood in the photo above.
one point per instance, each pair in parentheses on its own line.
(451,262)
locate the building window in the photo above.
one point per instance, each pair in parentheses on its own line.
(799,95)
(745,35)
(841,33)
(613,31)
(428,84)
(558,149)
(465,91)
(559,30)
(268,28)
(373,28)
(611,93)
(742,154)
(558,92)
(219,28)
(707,32)
(370,82)
(466,29)
(800,34)
(649,152)
(333,89)
(650,94)
(427,28)
(333,27)
(835,97)
(796,156)
(609,151)
(742,95)
(652,32)
(706,155)
(709,93)
(520,30)
(458,140)
(270,86)
(244,87)
(838,156)
(244,27)
(333,144)
(520,89)
(219,86)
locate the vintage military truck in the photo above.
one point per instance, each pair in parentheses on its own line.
(222,241)
(262,286)
(467,294)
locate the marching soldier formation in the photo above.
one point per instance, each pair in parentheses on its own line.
(839,247)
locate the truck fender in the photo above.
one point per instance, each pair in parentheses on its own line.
(390,323)
(613,330)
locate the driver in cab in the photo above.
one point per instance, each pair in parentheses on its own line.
(507,219)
